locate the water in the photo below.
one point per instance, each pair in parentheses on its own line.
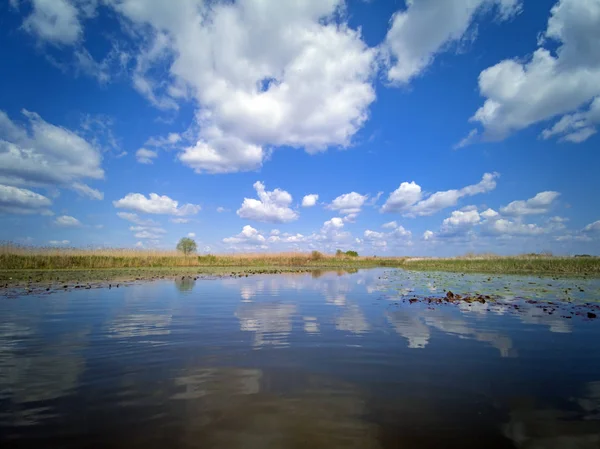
(321,360)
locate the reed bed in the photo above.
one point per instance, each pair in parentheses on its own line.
(524,264)
(13,257)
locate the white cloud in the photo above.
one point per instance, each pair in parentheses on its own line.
(462,218)
(248,237)
(155,204)
(428,27)
(348,203)
(489,213)
(55,21)
(191,235)
(390,225)
(221,209)
(460,222)
(14,200)
(334,223)
(428,235)
(407,199)
(403,197)
(382,240)
(539,204)
(67,221)
(553,82)
(291,76)
(179,220)
(154,229)
(145,234)
(275,232)
(85,190)
(508,227)
(593,227)
(47,155)
(170,140)
(271,207)
(310,200)
(145,156)
(134,218)
(470,138)
(59,242)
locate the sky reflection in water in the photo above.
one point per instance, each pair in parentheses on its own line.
(328,359)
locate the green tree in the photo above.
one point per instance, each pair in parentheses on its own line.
(186,246)
(351,253)
(339,253)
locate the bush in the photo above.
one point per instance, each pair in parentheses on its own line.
(351,253)
(186,246)
(316,255)
(209,259)
(339,253)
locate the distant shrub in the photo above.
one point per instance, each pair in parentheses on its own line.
(339,253)
(209,258)
(186,246)
(316,255)
(351,253)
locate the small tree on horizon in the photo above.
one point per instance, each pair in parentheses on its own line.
(187,246)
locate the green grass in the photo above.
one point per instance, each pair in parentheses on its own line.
(511,265)
(109,259)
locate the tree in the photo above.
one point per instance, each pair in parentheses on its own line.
(351,253)
(339,253)
(186,246)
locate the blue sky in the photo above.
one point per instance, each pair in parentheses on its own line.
(426,127)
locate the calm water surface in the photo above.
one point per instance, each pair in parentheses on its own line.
(321,360)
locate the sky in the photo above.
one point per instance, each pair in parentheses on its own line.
(417,127)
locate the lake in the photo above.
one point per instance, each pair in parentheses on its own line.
(371,359)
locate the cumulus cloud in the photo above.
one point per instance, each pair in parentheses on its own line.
(460,222)
(310,200)
(44,154)
(561,82)
(271,207)
(220,210)
(260,79)
(407,199)
(428,27)
(428,235)
(508,227)
(14,200)
(383,240)
(66,221)
(248,237)
(539,204)
(135,218)
(390,225)
(191,235)
(155,204)
(145,156)
(55,21)
(87,191)
(348,203)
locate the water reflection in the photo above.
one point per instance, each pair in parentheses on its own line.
(247,408)
(185,283)
(271,322)
(357,364)
(140,325)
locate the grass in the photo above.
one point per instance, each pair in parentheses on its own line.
(14,257)
(527,264)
